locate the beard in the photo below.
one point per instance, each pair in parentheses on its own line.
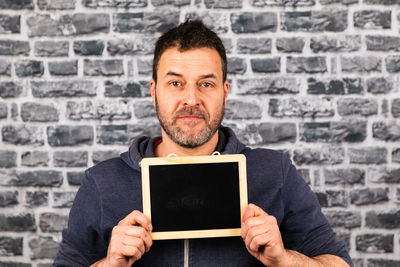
(184,138)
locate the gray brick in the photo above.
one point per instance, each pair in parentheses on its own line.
(11,246)
(223,4)
(137,46)
(277,132)
(305,174)
(3,111)
(325,155)
(247,22)
(75,178)
(37,198)
(306,65)
(10,89)
(43,247)
(8,198)
(216,21)
(70,158)
(383,175)
(344,2)
(345,237)
(43,178)
(382,2)
(89,48)
(392,64)
(254,45)
(382,43)
(31,111)
(14,264)
(64,199)
(22,135)
(266,65)
(29,68)
(386,130)
(332,198)
(301,107)
(178,3)
(372,19)
(228,44)
(314,21)
(12,4)
(64,135)
(75,88)
(383,262)
(146,22)
(386,220)
(52,222)
(262,3)
(145,66)
(236,65)
(367,196)
(123,134)
(396,155)
(99,110)
(8,159)
(346,219)
(99,156)
(248,134)
(379,85)
(341,43)
(315,132)
(5,68)
(56,4)
(22,222)
(10,24)
(63,68)
(396,107)
(367,155)
(334,87)
(126,89)
(237,110)
(361,64)
(115,3)
(346,176)
(349,130)
(14,48)
(66,25)
(51,48)
(375,243)
(290,45)
(100,67)
(256,86)
(357,106)
(144,109)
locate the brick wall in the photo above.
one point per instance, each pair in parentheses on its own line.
(318,79)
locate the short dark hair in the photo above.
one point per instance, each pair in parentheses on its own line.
(189,35)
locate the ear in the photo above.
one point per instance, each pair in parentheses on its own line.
(226,90)
(153,90)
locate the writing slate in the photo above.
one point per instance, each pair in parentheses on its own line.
(193,197)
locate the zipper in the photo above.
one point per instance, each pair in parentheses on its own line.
(186,253)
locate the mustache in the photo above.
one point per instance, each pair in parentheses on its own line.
(190,111)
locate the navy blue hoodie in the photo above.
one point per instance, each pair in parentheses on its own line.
(112,189)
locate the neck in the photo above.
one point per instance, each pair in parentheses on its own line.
(168,146)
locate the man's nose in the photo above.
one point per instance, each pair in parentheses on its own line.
(191,95)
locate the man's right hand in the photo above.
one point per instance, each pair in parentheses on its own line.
(129,241)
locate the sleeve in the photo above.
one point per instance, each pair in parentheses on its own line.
(81,243)
(304,227)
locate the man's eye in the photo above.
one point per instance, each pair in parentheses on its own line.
(175,83)
(206,84)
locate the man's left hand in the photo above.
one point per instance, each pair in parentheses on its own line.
(260,232)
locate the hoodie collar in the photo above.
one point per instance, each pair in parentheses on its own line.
(142,147)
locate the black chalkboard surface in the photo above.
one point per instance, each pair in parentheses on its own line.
(193,197)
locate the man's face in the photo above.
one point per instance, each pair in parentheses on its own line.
(190,95)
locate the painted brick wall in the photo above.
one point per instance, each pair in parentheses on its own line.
(318,79)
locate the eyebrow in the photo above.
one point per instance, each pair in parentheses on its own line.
(206,76)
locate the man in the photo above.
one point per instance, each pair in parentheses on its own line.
(284,226)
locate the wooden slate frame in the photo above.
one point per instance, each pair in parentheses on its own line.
(209,162)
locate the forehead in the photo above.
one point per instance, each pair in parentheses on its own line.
(193,61)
